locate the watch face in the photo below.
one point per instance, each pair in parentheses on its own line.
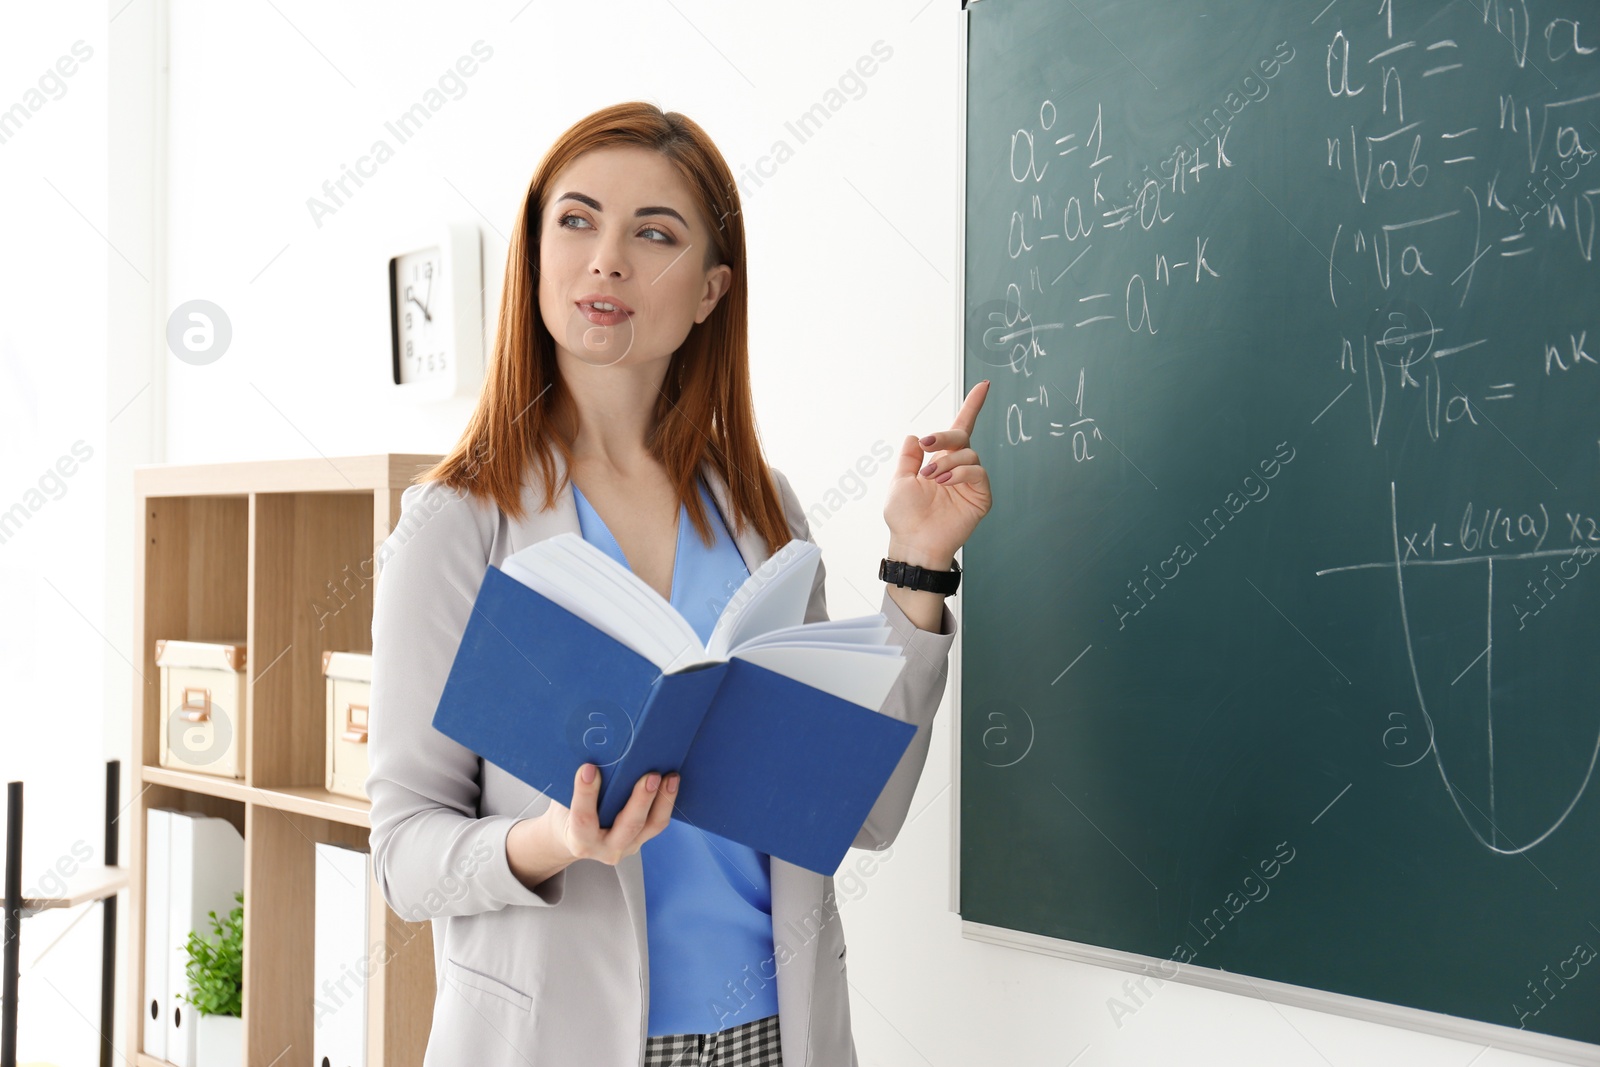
(419,295)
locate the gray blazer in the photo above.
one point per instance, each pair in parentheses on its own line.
(560,976)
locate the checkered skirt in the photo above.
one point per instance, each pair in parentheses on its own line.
(751,1044)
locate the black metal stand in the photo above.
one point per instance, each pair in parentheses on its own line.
(14,916)
(8,1020)
(108,920)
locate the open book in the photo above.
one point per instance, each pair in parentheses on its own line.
(570,658)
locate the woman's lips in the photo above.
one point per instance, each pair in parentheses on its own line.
(586,307)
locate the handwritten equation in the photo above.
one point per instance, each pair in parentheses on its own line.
(1507,186)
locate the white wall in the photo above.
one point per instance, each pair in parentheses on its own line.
(55,641)
(853,269)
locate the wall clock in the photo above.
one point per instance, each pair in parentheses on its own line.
(436,313)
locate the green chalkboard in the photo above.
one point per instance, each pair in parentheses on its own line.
(1281,645)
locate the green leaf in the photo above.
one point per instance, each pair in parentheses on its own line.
(215,970)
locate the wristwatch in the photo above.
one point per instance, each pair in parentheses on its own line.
(910,576)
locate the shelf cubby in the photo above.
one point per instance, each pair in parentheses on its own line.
(311,572)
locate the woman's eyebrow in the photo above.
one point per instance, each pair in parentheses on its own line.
(592,202)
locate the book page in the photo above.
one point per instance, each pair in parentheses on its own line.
(775,595)
(610,584)
(590,584)
(864,630)
(862,676)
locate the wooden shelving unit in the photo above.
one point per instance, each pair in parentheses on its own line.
(284,552)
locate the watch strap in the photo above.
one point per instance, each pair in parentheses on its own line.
(911,576)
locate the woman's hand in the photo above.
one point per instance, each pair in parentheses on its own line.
(577,829)
(549,843)
(932,511)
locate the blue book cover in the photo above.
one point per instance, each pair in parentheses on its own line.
(766,760)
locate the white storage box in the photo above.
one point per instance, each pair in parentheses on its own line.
(349,676)
(203,725)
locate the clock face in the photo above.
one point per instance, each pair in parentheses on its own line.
(419,296)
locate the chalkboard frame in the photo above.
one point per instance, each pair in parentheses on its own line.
(1502,1038)
(1493,1035)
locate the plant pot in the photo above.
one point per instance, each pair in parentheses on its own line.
(219,1041)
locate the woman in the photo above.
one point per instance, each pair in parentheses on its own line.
(621,411)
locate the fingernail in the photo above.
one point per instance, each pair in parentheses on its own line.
(588,772)
(672,784)
(944,476)
(651,782)
(926,441)
(929,468)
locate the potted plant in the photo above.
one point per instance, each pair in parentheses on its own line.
(216,989)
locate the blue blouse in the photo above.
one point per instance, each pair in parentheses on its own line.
(708,900)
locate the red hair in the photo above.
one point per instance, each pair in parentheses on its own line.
(704,411)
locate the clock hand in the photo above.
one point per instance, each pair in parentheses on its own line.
(419,304)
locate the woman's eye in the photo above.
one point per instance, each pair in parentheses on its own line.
(661,236)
